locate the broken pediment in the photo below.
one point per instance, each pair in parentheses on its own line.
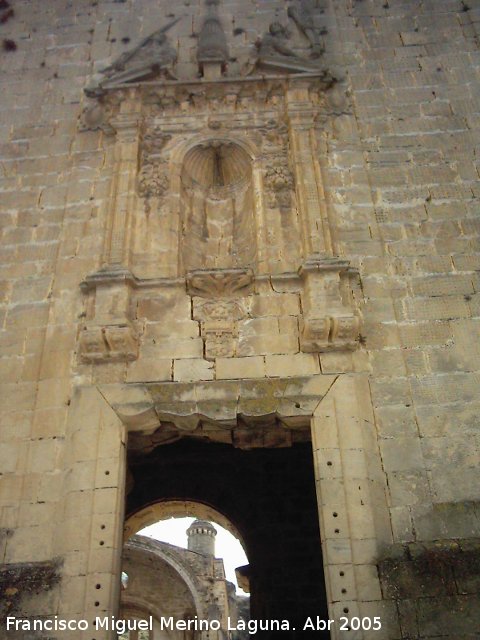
(305,14)
(275,52)
(294,48)
(153,58)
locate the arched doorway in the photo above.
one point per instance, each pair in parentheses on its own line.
(268,497)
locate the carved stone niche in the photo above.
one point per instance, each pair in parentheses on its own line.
(328,322)
(219,302)
(108,335)
(217,207)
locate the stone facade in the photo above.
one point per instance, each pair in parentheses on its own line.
(230,229)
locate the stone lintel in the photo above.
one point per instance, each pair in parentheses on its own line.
(226,404)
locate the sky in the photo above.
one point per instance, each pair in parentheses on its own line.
(227,546)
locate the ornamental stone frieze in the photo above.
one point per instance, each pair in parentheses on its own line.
(215,187)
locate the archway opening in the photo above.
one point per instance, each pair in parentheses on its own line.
(177,569)
(268,497)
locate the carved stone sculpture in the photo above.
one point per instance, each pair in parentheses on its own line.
(329,322)
(212,43)
(275,42)
(152,57)
(153,180)
(274,51)
(95,117)
(104,344)
(303,13)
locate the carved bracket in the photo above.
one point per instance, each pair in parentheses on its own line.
(108,335)
(218,305)
(329,322)
(218,324)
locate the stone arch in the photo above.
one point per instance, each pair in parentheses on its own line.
(135,605)
(177,509)
(173,560)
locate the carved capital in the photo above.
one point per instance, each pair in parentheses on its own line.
(126,126)
(108,343)
(220,283)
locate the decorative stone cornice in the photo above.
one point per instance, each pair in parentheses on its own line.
(108,275)
(317,262)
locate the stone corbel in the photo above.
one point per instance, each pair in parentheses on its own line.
(328,322)
(109,334)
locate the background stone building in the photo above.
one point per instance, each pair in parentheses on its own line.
(166,581)
(233,233)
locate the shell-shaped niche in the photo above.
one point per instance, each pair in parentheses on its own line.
(217,207)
